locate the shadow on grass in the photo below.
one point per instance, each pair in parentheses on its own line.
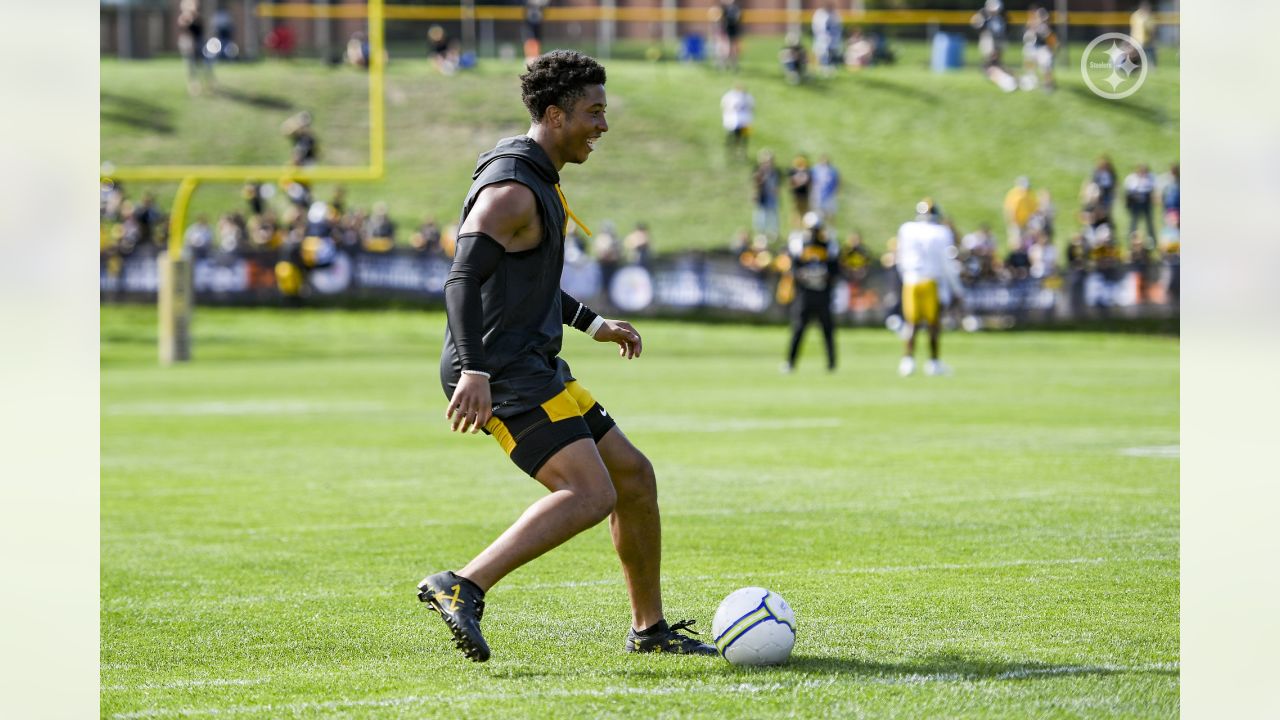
(872,82)
(265,102)
(943,668)
(1125,106)
(135,113)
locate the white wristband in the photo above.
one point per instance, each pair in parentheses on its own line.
(476,372)
(595,325)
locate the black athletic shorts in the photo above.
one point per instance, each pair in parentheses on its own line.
(530,438)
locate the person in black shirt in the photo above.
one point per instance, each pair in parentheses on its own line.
(305,149)
(501,369)
(815,268)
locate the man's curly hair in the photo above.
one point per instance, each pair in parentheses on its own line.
(558,78)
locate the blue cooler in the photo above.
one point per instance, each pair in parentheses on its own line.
(948,52)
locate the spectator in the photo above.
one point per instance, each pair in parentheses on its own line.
(338,201)
(608,251)
(574,246)
(729,37)
(198,238)
(252,193)
(280,40)
(1093,213)
(1139,186)
(800,182)
(379,230)
(1171,248)
(112,201)
(766,179)
(1045,213)
(757,258)
(191,47)
(531,30)
(977,255)
(305,149)
(860,53)
(318,246)
(826,187)
(855,260)
(992,29)
(1038,45)
(1171,192)
(1018,262)
(1077,270)
(639,246)
(427,238)
(1104,256)
(262,231)
(297,191)
(1142,28)
(794,59)
(1019,205)
(149,222)
(1104,176)
(358,50)
(232,233)
(1143,263)
(737,109)
(828,44)
(1043,255)
(444,52)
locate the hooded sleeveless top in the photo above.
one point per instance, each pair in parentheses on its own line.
(522,322)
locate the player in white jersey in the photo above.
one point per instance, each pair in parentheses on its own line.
(930,279)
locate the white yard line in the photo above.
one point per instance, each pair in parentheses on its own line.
(130,603)
(185,684)
(1172,452)
(247,407)
(715,425)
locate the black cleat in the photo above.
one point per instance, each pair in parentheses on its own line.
(460,603)
(663,638)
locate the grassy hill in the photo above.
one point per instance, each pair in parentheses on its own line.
(896,133)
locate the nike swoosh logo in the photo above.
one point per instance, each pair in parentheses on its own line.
(604,413)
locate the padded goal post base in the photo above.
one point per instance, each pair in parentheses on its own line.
(175,301)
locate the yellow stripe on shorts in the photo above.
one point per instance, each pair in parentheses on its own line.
(580,395)
(561,407)
(500,433)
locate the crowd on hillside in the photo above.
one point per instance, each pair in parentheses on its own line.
(1125,223)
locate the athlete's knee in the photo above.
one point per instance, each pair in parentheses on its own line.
(597,499)
(635,479)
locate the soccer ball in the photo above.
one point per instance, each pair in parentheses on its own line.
(754,626)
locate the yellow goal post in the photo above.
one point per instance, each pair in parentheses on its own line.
(174,296)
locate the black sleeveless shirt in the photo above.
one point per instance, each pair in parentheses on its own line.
(521,300)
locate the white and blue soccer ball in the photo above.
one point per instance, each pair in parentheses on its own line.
(754,626)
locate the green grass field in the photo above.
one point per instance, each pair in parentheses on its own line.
(999,543)
(896,133)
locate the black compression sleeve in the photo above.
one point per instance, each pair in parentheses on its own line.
(476,259)
(574,313)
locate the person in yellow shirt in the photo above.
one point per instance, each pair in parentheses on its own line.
(1142,27)
(1019,205)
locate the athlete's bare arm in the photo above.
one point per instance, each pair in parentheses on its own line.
(508,213)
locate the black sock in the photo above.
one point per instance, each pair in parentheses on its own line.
(468,582)
(654,629)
